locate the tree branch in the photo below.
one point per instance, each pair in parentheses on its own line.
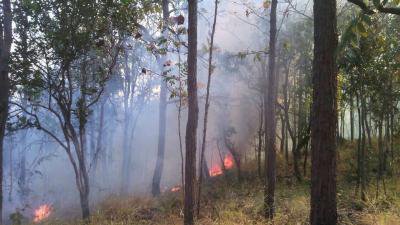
(378,6)
(363,6)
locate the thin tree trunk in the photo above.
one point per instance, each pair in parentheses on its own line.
(286,119)
(162,117)
(358,184)
(362,153)
(301,127)
(81,149)
(206,108)
(392,127)
(99,145)
(180,119)
(260,141)
(193,110)
(380,155)
(324,115)
(126,160)
(270,127)
(23,188)
(366,124)
(305,160)
(351,118)
(81,174)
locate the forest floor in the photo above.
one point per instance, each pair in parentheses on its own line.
(229,202)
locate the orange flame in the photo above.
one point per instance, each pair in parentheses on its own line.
(176,188)
(215,171)
(228,161)
(42,212)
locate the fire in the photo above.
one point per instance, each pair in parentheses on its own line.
(42,212)
(228,161)
(228,164)
(215,171)
(176,188)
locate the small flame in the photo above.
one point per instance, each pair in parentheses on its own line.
(228,161)
(42,212)
(215,171)
(176,188)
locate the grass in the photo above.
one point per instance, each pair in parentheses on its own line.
(228,202)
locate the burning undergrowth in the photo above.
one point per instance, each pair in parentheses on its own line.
(28,215)
(42,212)
(226,164)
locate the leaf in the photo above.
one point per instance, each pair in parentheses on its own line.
(126,1)
(361,30)
(257,57)
(266,4)
(376,3)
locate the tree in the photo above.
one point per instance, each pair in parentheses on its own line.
(162,108)
(324,115)
(324,110)
(73,59)
(378,5)
(270,119)
(5,47)
(211,68)
(193,110)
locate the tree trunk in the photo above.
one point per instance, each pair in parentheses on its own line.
(380,155)
(179,122)
(84,189)
(162,116)
(362,152)
(100,150)
(202,163)
(126,160)
(81,148)
(305,160)
(260,141)
(286,125)
(367,125)
(270,127)
(22,182)
(84,199)
(5,47)
(193,110)
(359,145)
(351,118)
(324,115)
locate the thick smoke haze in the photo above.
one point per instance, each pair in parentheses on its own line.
(234,104)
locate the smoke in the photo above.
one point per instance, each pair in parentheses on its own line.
(235,100)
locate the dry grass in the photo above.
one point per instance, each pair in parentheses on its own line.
(228,202)
(239,204)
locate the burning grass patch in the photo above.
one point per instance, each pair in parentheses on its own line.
(226,201)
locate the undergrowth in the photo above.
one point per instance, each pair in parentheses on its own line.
(226,201)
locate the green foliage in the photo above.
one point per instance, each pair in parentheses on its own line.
(16,218)
(65,51)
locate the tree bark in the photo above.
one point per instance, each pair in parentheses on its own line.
(359,144)
(5,47)
(193,110)
(126,160)
(286,123)
(324,115)
(351,118)
(202,163)
(162,116)
(362,152)
(260,141)
(270,163)
(100,150)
